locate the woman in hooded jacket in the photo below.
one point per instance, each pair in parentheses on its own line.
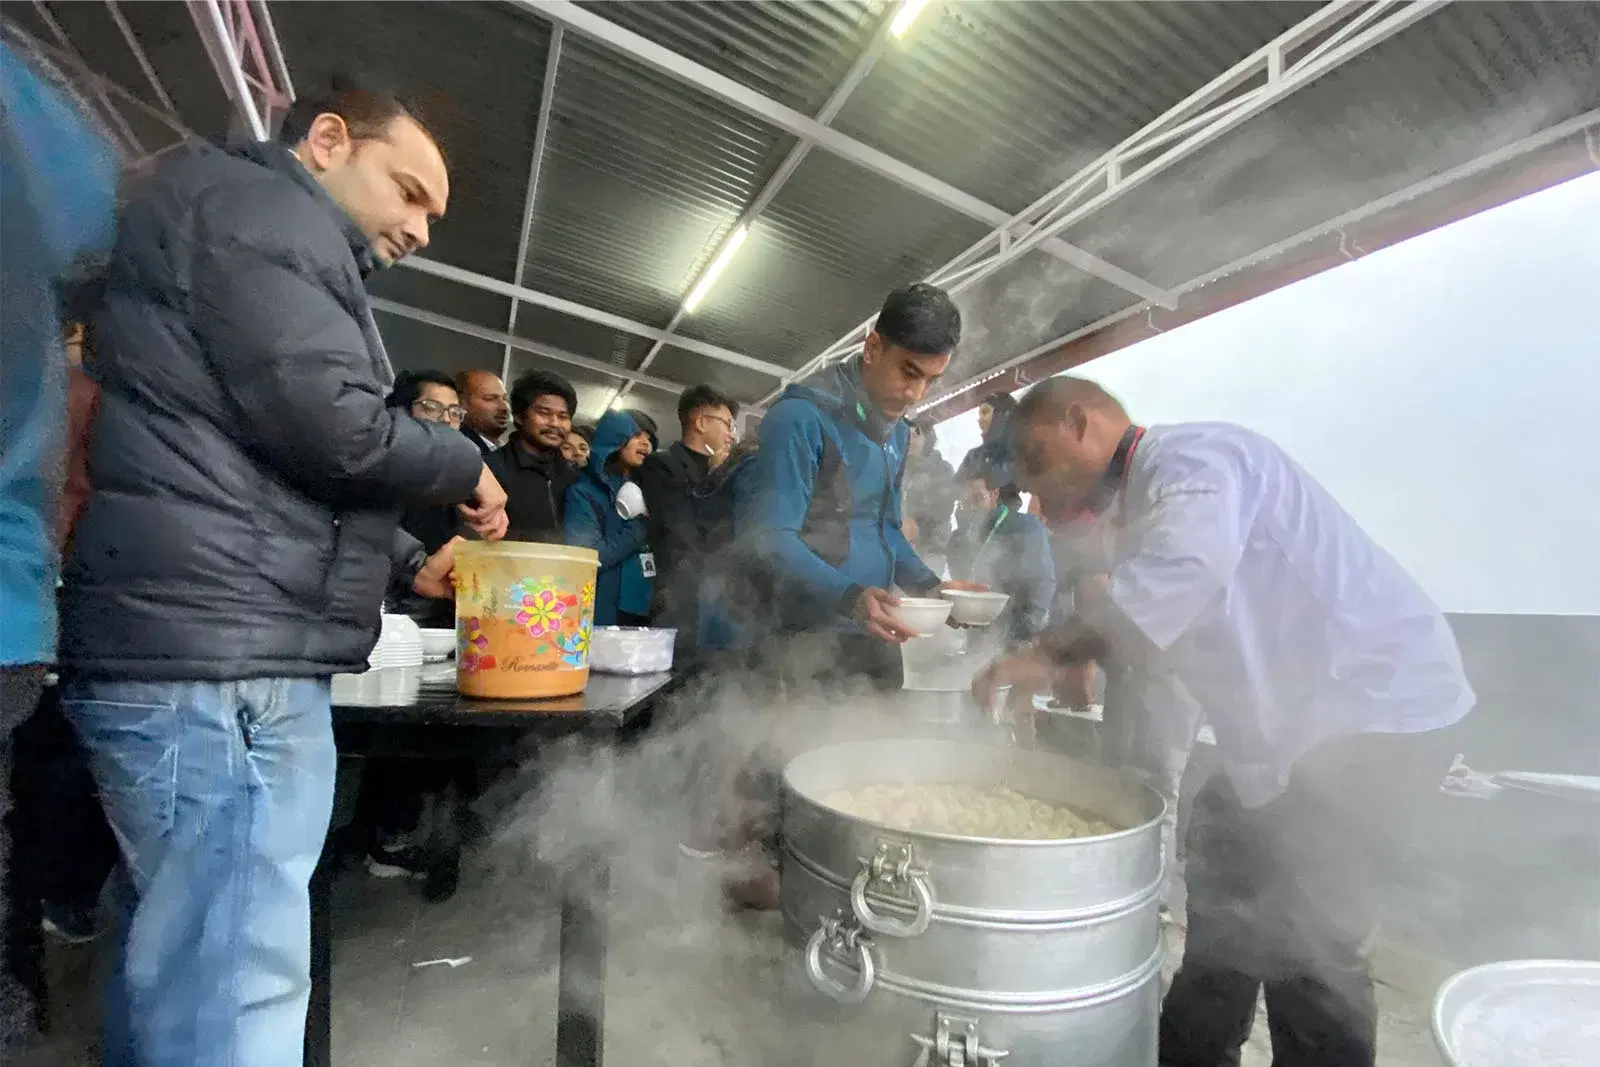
(623,588)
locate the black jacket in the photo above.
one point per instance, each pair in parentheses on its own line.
(536,486)
(668,480)
(248,478)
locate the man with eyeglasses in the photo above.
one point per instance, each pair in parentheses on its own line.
(668,477)
(530,466)
(429,396)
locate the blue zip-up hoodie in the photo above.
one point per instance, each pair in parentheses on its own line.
(591,520)
(825,514)
(58,185)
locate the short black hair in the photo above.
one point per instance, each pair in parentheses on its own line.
(995,476)
(367,107)
(920,318)
(1002,403)
(408,387)
(537,383)
(703,396)
(584,430)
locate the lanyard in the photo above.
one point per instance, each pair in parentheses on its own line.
(1115,478)
(1005,511)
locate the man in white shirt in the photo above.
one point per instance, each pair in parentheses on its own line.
(1325,672)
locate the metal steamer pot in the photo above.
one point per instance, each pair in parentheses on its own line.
(920,948)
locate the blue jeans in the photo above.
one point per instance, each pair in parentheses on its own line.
(220,795)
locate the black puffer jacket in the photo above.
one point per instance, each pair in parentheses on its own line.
(248,478)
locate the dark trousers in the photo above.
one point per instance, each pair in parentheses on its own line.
(21,976)
(1287,896)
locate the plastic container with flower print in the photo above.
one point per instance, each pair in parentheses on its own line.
(524,615)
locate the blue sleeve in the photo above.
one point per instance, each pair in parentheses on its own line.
(1039,583)
(1185,543)
(585,525)
(785,477)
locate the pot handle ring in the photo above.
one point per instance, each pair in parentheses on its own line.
(913,927)
(835,990)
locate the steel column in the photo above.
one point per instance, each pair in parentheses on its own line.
(541,133)
(131,145)
(1351,28)
(809,130)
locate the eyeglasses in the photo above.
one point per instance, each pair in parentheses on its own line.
(432,409)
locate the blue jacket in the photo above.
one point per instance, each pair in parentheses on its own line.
(1010,553)
(825,514)
(591,520)
(58,182)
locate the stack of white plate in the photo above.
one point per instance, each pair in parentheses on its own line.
(399,644)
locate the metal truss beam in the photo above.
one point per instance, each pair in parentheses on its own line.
(467,329)
(130,146)
(841,95)
(541,133)
(811,131)
(1329,38)
(595,315)
(243,47)
(1587,124)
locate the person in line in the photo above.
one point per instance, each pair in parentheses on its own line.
(826,516)
(930,495)
(1325,671)
(576,449)
(996,545)
(994,419)
(243,530)
(488,418)
(57,204)
(430,396)
(668,479)
(530,466)
(624,587)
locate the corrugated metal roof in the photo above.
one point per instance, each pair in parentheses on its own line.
(644,175)
(641,178)
(1006,100)
(690,368)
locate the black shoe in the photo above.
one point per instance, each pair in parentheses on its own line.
(76,924)
(396,858)
(443,876)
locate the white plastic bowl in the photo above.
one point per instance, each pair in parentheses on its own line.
(922,615)
(975,609)
(631,649)
(438,644)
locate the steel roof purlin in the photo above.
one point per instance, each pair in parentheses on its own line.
(1333,35)
(809,130)
(541,134)
(780,177)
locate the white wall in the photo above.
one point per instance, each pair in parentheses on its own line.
(1446,390)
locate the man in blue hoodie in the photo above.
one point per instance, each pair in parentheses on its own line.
(624,586)
(826,512)
(58,181)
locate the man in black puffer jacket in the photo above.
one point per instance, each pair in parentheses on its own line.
(248,485)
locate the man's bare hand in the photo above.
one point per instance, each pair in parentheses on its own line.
(1026,673)
(964,587)
(1074,686)
(486,511)
(874,610)
(433,579)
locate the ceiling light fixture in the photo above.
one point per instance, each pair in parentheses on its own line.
(703,286)
(909,10)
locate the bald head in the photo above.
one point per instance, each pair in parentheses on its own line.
(483,394)
(1065,432)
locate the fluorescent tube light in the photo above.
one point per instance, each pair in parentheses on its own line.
(909,10)
(703,286)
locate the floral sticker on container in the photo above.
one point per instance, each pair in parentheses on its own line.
(575,646)
(472,654)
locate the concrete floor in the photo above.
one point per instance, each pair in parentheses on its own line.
(689,986)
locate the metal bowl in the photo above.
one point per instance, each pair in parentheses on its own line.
(1538,1013)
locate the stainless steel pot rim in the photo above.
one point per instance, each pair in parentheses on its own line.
(974,842)
(1048,1003)
(998,919)
(1457,990)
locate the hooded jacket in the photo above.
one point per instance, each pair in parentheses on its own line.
(825,513)
(248,477)
(58,181)
(1010,553)
(592,522)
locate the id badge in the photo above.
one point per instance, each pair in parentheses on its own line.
(647,563)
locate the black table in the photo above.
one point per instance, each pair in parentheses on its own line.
(418,713)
